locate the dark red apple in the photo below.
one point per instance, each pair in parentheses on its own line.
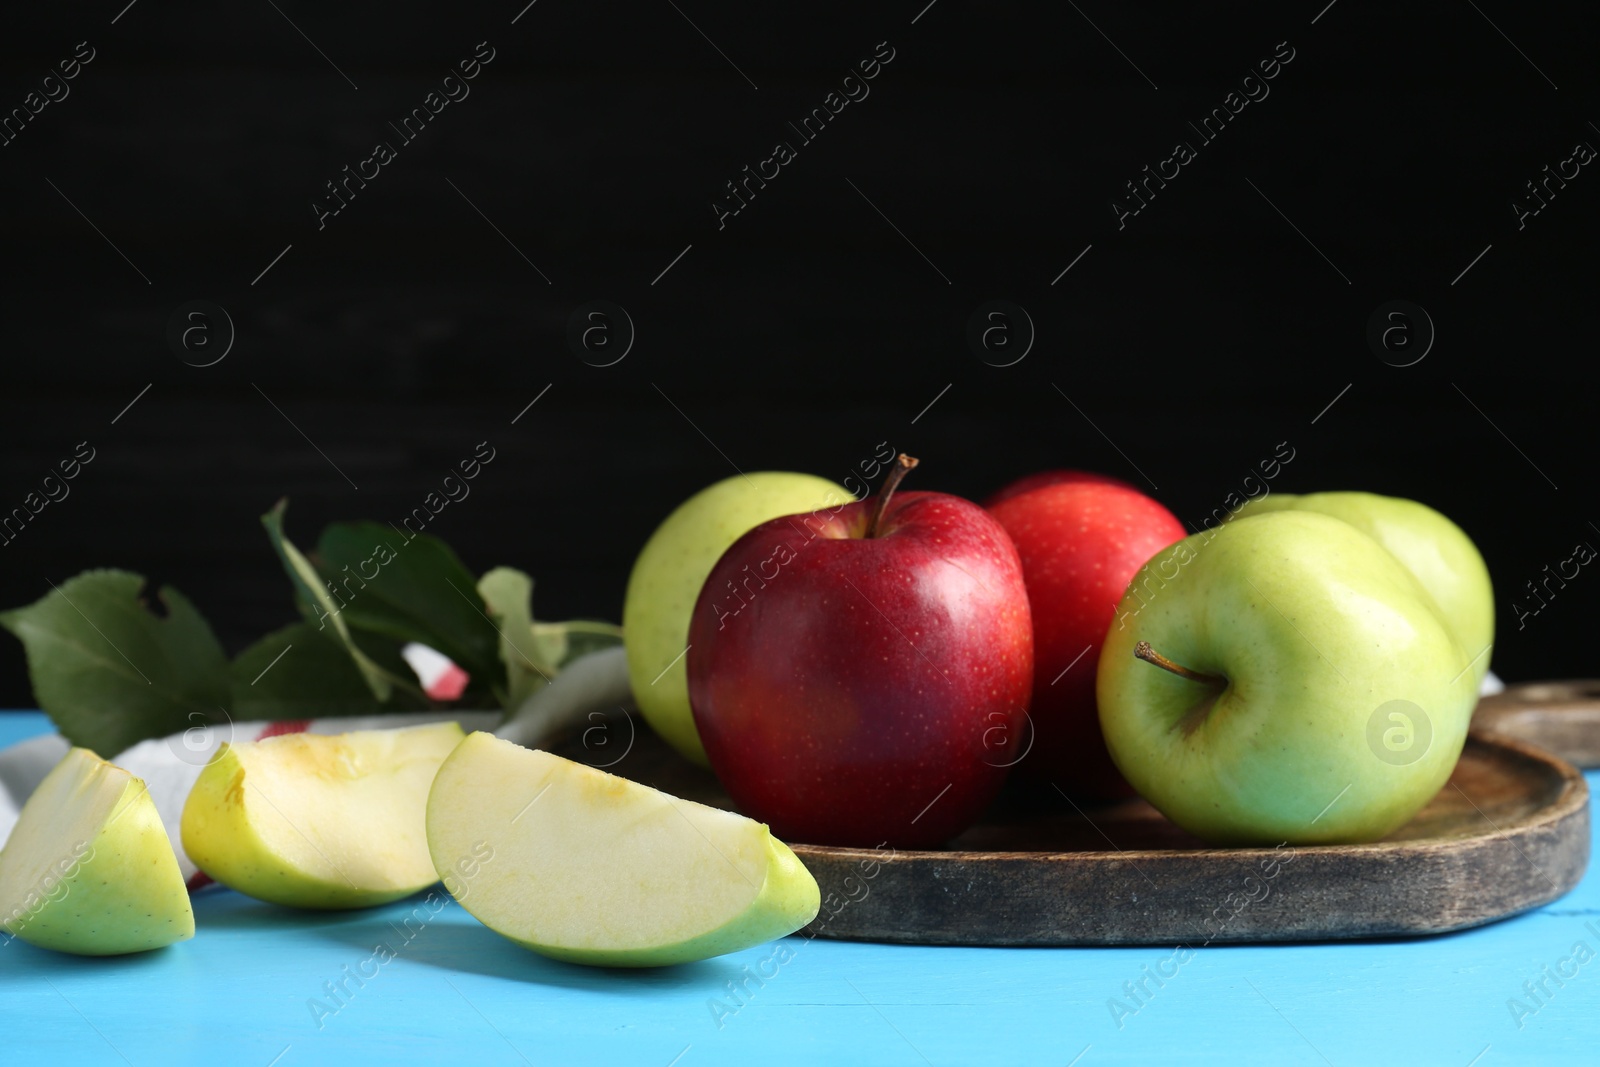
(1031,482)
(1080,542)
(857,674)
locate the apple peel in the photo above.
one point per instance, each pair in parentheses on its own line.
(591,868)
(89,869)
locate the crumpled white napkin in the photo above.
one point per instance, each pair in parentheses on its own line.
(170,765)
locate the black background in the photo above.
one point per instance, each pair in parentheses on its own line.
(1177,352)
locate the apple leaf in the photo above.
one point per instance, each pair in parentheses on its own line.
(531,662)
(410,590)
(322,609)
(508,594)
(301,672)
(562,642)
(110,670)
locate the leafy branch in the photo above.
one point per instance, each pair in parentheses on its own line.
(114,663)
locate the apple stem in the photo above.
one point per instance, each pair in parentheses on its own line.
(902,467)
(1143,651)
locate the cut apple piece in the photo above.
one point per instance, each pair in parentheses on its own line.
(319,820)
(583,866)
(88,867)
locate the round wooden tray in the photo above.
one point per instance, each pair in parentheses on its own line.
(1508,832)
(1560,717)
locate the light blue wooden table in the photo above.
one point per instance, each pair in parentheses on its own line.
(243,992)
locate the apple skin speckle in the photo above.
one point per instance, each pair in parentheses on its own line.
(852,700)
(1080,541)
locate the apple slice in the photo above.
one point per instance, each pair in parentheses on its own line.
(584,866)
(319,820)
(88,867)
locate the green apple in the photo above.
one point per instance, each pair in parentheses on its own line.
(583,866)
(1313,692)
(672,567)
(319,820)
(1433,548)
(88,867)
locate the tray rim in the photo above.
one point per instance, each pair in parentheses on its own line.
(1564,720)
(1554,838)
(1572,798)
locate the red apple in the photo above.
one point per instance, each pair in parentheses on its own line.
(1081,543)
(855,675)
(1031,482)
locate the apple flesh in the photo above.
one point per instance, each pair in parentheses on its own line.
(668,575)
(1080,541)
(856,675)
(1434,549)
(1305,639)
(88,868)
(317,820)
(583,866)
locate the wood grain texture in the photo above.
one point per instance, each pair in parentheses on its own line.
(1561,717)
(1510,831)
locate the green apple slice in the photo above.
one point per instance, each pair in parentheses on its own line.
(88,867)
(319,820)
(583,866)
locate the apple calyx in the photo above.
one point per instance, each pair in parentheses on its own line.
(1143,651)
(902,467)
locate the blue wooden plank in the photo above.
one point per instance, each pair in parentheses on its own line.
(254,984)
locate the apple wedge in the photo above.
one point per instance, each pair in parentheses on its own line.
(583,866)
(319,820)
(88,868)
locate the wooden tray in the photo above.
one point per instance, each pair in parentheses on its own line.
(1560,717)
(1509,832)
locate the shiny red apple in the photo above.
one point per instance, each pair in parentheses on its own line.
(856,675)
(1043,478)
(1081,541)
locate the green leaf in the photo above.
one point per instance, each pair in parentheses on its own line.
(324,610)
(562,642)
(532,661)
(410,590)
(508,594)
(109,671)
(301,672)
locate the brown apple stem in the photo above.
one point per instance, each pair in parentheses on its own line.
(902,467)
(1143,651)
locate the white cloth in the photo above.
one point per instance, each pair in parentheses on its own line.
(170,765)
